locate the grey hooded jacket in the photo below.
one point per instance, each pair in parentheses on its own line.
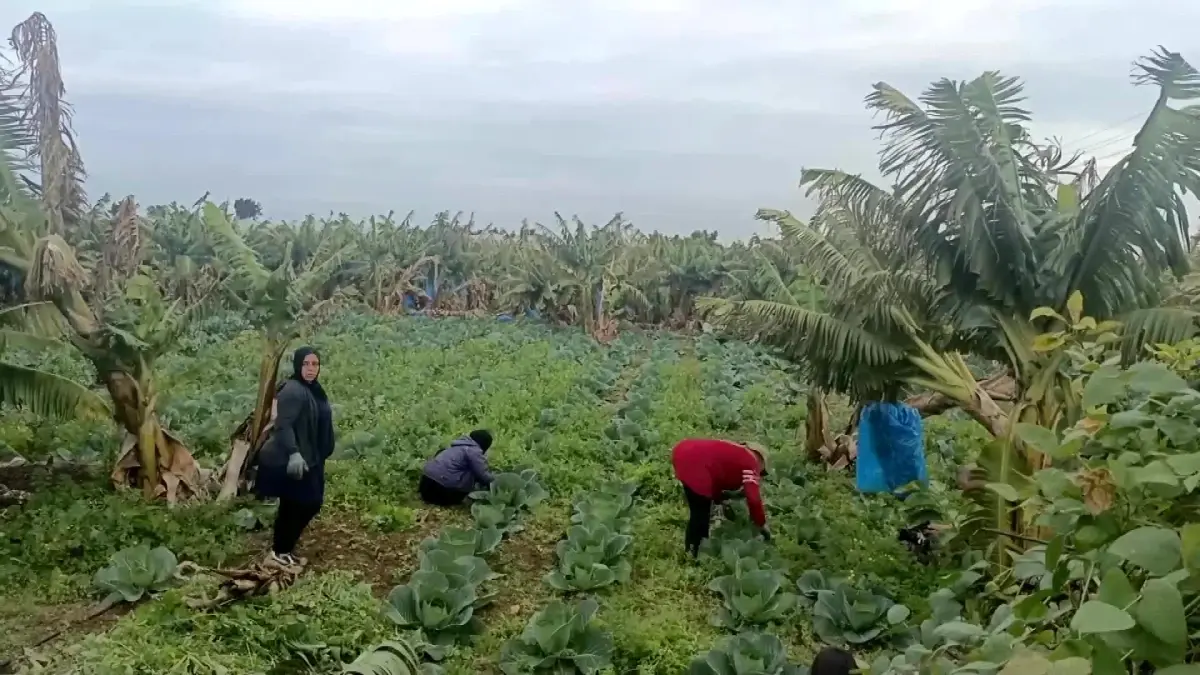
(460,467)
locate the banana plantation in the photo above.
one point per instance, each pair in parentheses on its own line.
(1041,316)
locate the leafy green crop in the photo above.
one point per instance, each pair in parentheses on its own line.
(592,556)
(752,597)
(506,499)
(812,582)
(849,615)
(441,597)
(746,653)
(461,542)
(135,571)
(393,657)
(610,505)
(559,639)
(845,614)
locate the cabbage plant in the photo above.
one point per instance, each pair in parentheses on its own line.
(849,615)
(592,556)
(611,505)
(559,639)
(752,597)
(465,542)
(441,597)
(510,495)
(133,572)
(394,657)
(748,653)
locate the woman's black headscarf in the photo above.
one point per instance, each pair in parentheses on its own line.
(324,413)
(298,366)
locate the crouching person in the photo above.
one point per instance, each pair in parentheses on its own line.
(455,471)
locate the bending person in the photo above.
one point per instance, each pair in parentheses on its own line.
(292,462)
(455,471)
(710,469)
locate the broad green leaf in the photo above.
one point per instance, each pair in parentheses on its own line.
(1154,378)
(958,631)
(1185,465)
(1156,472)
(898,614)
(1160,612)
(1100,617)
(1180,432)
(1128,419)
(1042,439)
(1006,491)
(1116,590)
(1045,312)
(1155,549)
(1048,342)
(1105,386)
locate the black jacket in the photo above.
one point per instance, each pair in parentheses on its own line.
(297,428)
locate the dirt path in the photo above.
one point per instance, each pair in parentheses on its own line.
(338,541)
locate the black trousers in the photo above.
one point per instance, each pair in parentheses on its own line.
(699,520)
(290,521)
(436,494)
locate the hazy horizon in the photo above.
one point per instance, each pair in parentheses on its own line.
(683,116)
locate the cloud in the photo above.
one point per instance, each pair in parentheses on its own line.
(685,114)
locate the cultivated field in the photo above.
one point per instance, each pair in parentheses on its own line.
(576,413)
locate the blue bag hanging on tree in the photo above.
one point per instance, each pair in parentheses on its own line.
(891,448)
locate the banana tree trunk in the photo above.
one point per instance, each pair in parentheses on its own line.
(150,457)
(248,438)
(817,437)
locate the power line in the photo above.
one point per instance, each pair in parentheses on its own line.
(1119,153)
(1105,144)
(1105,130)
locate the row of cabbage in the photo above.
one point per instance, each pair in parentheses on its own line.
(437,607)
(756,593)
(629,434)
(593,555)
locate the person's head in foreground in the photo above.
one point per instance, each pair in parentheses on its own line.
(482,438)
(833,661)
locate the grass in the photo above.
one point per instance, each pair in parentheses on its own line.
(401,389)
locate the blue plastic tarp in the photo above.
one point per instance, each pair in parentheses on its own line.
(891,448)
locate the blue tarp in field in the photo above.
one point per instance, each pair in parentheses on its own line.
(891,448)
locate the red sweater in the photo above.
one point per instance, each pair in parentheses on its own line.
(710,467)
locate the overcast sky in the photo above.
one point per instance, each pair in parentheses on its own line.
(684,114)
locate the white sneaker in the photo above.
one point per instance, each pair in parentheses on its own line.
(284,559)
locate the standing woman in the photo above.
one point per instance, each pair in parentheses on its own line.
(292,464)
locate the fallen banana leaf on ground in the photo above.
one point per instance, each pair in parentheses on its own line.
(265,577)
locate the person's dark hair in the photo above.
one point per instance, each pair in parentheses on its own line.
(482,437)
(833,661)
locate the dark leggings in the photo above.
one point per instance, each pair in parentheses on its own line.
(436,494)
(290,521)
(699,519)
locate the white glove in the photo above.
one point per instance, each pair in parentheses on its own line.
(296,466)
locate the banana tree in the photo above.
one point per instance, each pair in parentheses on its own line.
(584,257)
(122,327)
(280,302)
(981,229)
